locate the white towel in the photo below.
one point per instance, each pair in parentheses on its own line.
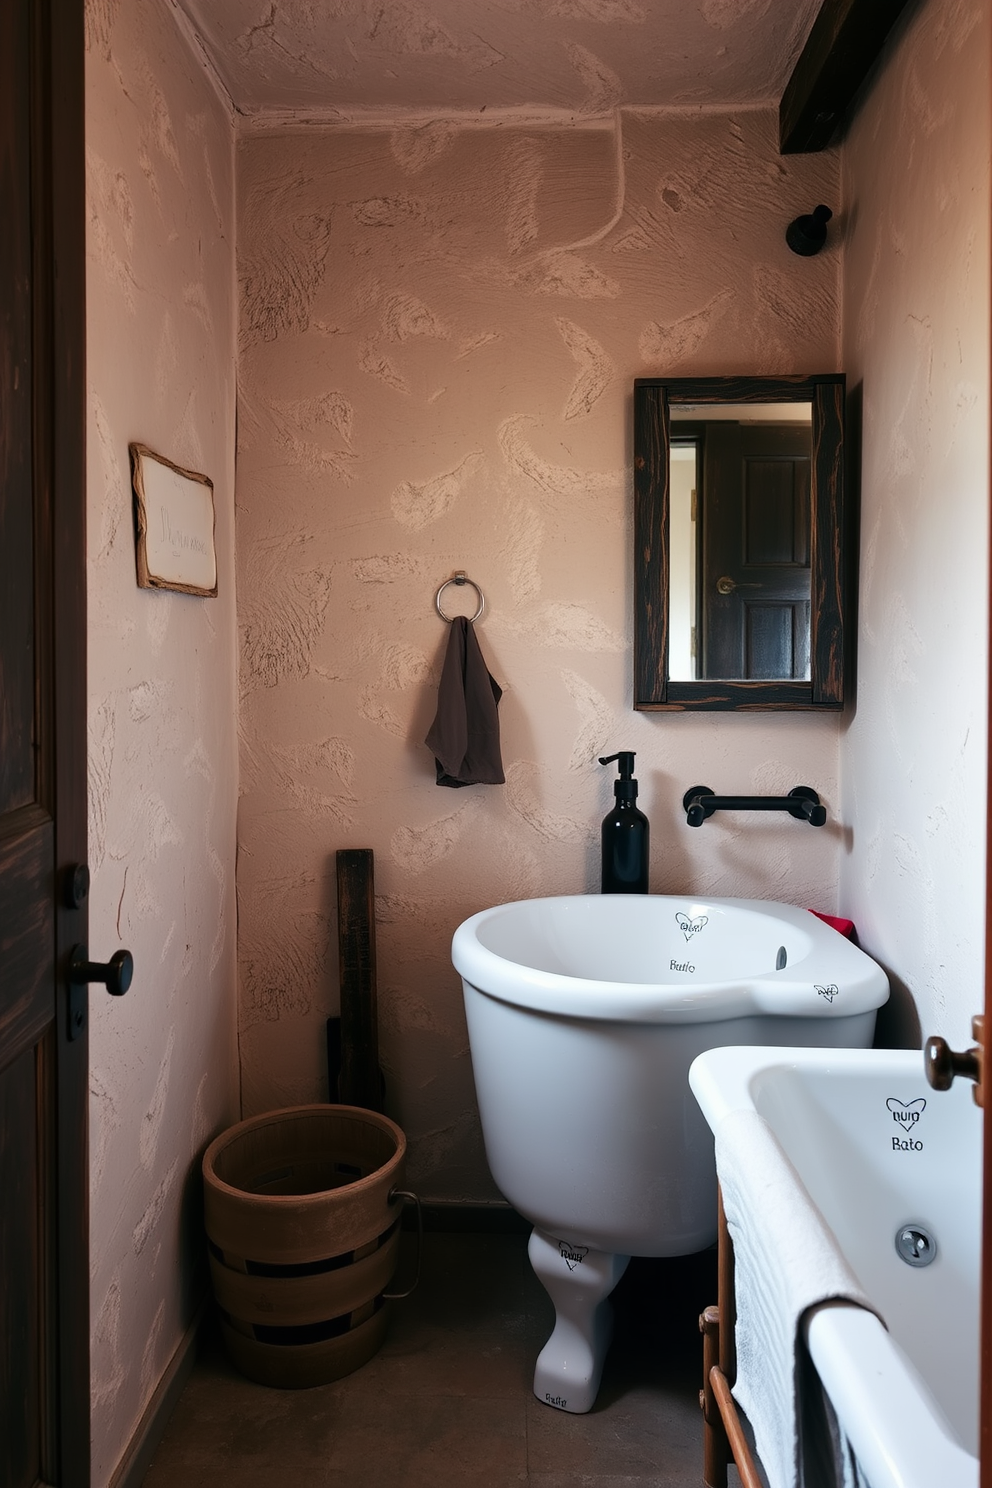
(786,1260)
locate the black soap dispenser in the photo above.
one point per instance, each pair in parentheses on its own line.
(625,834)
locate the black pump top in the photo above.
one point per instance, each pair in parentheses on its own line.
(625,788)
(626,762)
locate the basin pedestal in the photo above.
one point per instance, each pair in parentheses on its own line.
(584,1013)
(579,1281)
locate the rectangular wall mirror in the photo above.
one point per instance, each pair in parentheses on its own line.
(740,560)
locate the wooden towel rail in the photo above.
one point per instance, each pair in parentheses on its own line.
(723,1435)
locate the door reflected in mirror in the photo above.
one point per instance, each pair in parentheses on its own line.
(741,561)
(739,593)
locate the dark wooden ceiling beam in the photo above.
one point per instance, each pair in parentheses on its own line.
(846,38)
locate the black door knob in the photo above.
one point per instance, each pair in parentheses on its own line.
(115,974)
(76,884)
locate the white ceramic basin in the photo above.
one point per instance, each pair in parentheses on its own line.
(584,1014)
(659,958)
(876,1150)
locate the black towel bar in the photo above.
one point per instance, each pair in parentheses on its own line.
(699,802)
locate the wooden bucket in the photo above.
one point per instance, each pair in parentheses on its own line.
(303,1228)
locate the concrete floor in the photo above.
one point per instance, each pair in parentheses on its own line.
(448,1400)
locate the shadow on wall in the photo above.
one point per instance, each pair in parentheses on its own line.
(898,1023)
(194,1273)
(671,859)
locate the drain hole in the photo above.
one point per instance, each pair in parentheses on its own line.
(781,959)
(916,1245)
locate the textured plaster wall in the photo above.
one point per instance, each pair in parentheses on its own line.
(353,57)
(916,333)
(440,327)
(162,685)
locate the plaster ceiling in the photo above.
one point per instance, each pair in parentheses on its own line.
(579,56)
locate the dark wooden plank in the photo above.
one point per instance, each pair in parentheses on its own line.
(720,696)
(985,1288)
(21,1286)
(27,922)
(17,760)
(359,1080)
(840,50)
(43,1129)
(830,566)
(737,389)
(60,270)
(651,523)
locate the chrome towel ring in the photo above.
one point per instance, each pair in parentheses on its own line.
(460,578)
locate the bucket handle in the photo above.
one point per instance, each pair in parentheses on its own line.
(404,1193)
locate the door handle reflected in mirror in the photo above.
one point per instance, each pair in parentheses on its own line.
(727,585)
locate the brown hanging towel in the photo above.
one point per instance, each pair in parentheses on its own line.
(465,733)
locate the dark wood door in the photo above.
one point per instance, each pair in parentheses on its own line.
(985,1385)
(755,571)
(44,1343)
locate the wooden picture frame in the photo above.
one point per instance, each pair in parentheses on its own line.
(174,523)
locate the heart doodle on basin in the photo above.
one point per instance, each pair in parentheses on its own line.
(907,1113)
(828,992)
(572,1255)
(689,927)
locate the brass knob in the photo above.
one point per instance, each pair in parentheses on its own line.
(726,585)
(943,1064)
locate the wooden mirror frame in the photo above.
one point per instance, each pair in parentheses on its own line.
(654,690)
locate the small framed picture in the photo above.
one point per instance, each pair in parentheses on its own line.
(174,525)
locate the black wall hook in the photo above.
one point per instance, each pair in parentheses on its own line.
(807,235)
